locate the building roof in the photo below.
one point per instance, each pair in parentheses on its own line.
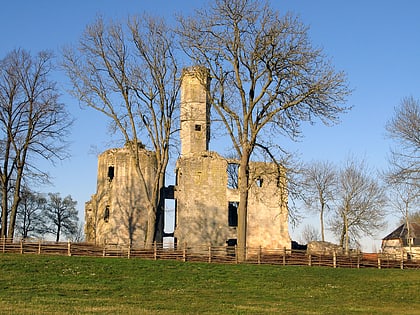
(401,232)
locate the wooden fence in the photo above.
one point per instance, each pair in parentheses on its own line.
(211,254)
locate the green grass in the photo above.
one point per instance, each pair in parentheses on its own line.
(31,284)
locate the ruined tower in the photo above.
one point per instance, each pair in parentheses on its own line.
(206,190)
(195,110)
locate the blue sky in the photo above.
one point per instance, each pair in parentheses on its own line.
(376,42)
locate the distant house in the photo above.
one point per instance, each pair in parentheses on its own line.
(405,240)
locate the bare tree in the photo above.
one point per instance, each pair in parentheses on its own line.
(61,216)
(360,203)
(404,128)
(309,234)
(404,197)
(414,217)
(130,74)
(79,235)
(320,182)
(267,79)
(33,124)
(29,220)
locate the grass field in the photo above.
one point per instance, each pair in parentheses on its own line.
(31,284)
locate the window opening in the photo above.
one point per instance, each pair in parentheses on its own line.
(232,175)
(259,182)
(110,173)
(197,127)
(233,213)
(106,214)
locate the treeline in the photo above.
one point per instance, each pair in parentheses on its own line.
(47,216)
(352,200)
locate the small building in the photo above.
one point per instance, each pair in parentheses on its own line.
(405,241)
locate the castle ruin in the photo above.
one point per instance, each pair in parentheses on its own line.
(205,192)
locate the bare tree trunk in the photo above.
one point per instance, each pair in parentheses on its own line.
(57,236)
(5,190)
(346,233)
(15,205)
(151,223)
(4,212)
(321,220)
(160,211)
(407,222)
(243,206)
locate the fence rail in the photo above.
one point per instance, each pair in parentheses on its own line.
(211,254)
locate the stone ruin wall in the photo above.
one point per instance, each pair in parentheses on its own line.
(203,198)
(117,214)
(201,192)
(201,203)
(267,207)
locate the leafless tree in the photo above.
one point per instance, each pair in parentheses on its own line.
(61,216)
(267,79)
(309,234)
(404,129)
(79,235)
(361,201)
(404,197)
(320,182)
(129,72)
(414,217)
(29,221)
(33,124)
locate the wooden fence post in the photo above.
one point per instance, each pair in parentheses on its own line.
(402,258)
(129,251)
(284,256)
(184,252)
(259,255)
(209,254)
(4,244)
(68,248)
(236,255)
(21,246)
(358,259)
(154,251)
(334,259)
(379,262)
(309,259)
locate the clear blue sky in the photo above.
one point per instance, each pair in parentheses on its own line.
(376,42)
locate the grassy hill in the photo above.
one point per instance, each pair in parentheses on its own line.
(31,284)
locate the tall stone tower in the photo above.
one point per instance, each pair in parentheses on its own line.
(195,110)
(206,200)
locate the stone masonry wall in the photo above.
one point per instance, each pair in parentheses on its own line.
(202,216)
(117,213)
(203,203)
